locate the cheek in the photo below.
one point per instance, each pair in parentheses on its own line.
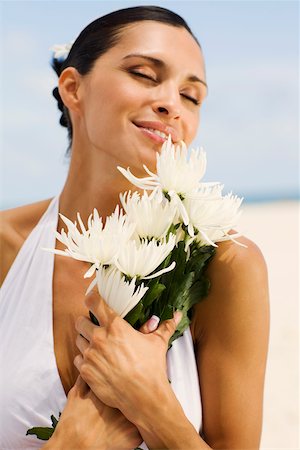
(101,119)
(191,127)
(113,106)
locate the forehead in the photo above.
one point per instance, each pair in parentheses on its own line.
(174,45)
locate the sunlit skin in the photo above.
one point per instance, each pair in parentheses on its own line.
(158,79)
(106,104)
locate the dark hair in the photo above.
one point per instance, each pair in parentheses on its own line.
(101,35)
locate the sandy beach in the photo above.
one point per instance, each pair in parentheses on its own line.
(274,227)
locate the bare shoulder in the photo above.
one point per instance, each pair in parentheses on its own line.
(237,263)
(239,287)
(15,226)
(230,330)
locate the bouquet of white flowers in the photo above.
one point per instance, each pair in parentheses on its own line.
(150,257)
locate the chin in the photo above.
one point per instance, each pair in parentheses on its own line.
(148,158)
(139,155)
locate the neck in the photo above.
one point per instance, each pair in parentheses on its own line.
(92,184)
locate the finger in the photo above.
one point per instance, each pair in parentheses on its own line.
(81,386)
(85,327)
(167,327)
(81,343)
(99,308)
(150,325)
(80,389)
(78,361)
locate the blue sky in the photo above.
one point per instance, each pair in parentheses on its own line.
(249,123)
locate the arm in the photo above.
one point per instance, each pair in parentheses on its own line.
(127,370)
(86,423)
(163,425)
(232,335)
(231,329)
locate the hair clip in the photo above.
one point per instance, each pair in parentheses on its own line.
(61,51)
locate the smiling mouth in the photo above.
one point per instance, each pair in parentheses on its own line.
(157,136)
(159,133)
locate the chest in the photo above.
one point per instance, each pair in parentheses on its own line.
(69,289)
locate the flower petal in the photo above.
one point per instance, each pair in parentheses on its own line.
(91,286)
(161,272)
(90,272)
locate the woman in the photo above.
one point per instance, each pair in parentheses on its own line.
(131,78)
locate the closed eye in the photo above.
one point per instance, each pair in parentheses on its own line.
(192,99)
(143,75)
(154,80)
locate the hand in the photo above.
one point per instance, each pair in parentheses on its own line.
(122,366)
(87,423)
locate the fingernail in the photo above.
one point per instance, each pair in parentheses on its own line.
(153,322)
(177,316)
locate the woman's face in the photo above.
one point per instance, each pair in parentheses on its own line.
(149,85)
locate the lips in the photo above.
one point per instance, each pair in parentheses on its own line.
(158,131)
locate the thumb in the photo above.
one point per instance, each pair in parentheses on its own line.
(167,327)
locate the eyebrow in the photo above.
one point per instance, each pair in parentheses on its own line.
(161,64)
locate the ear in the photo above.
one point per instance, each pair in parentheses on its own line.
(68,86)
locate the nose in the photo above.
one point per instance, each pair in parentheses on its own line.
(167,103)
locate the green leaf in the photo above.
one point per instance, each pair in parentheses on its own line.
(167,312)
(135,314)
(179,289)
(199,256)
(43,433)
(54,420)
(153,293)
(199,291)
(178,292)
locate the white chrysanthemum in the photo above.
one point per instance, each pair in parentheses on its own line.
(176,170)
(141,259)
(212,216)
(153,214)
(206,191)
(96,244)
(178,174)
(61,51)
(121,295)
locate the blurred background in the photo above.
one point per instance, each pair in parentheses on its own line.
(249,129)
(249,123)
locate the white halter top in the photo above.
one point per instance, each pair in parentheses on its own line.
(31,389)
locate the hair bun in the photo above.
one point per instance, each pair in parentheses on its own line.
(57,66)
(61,107)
